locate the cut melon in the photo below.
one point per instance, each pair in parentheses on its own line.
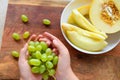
(84,23)
(105,15)
(84,10)
(84,42)
(69,27)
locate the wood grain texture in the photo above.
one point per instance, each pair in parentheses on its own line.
(8,65)
(86,67)
(4,4)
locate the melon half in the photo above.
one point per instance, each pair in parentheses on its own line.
(105,15)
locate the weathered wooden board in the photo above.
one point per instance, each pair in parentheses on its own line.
(86,67)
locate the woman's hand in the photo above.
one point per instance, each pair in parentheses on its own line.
(25,70)
(64,71)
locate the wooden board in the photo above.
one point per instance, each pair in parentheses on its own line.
(86,67)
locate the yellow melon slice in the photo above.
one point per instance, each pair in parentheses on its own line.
(69,27)
(105,15)
(84,10)
(85,42)
(84,23)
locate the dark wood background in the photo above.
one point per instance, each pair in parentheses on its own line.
(86,67)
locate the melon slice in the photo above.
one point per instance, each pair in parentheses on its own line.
(85,43)
(84,23)
(84,10)
(105,15)
(69,27)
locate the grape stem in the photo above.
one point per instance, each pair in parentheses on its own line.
(54,77)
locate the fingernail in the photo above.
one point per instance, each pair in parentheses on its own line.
(45,32)
(54,41)
(25,46)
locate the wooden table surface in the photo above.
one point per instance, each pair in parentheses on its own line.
(4,4)
(86,67)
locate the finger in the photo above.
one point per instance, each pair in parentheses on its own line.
(27,55)
(64,57)
(23,52)
(38,37)
(61,48)
(57,43)
(49,36)
(55,51)
(37,77)
(46,40)
(32,38)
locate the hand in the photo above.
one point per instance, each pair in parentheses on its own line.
(25,70)
(64,71)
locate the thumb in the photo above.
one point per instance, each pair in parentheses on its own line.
(63,51)
(64,57)
(23,52)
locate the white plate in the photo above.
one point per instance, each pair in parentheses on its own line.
(113,39)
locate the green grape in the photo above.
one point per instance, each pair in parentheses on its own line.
(53,54)
(44,57)
(49,64)
(41,58)
(42,69)
(48,51)
(15,54)
(31,43)
(38,47)
(42,51)
(35,69)
(31,48)
(33,55)
(46,22)
(16,36)
(45,76)
(44,45)
(38,54)
(30,57)
(50,57)
(26,34)
(34,62)
(30,53)
(55,60)
(51,72)
(36,43)
(24,18)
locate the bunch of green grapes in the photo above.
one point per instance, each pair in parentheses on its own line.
(42,59)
